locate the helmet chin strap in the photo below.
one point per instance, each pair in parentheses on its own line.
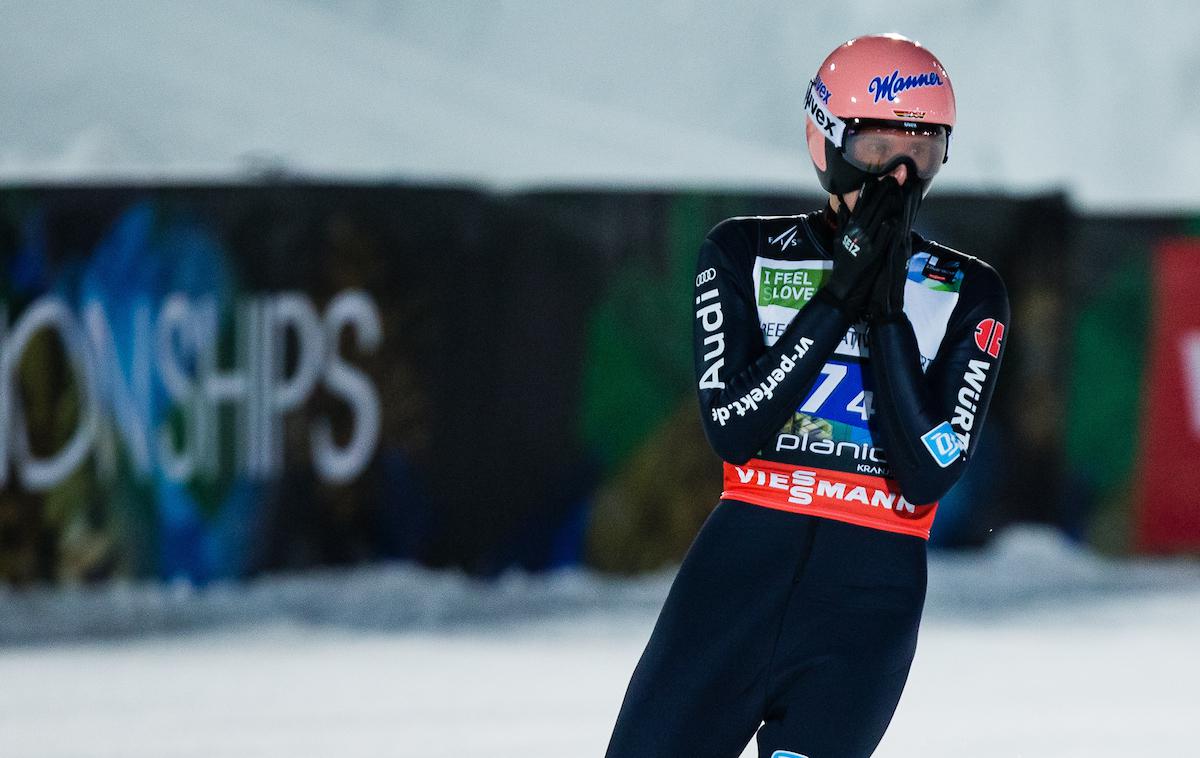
(842,210)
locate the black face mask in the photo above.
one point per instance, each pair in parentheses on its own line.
(913,191)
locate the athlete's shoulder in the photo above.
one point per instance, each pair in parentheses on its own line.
(979,280)
(758,235)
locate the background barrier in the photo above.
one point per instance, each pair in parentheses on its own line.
(212,381)
(1168,519)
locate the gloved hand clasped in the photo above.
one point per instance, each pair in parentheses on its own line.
(887,291)
(862,241)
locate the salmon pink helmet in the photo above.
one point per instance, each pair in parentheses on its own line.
(876,102)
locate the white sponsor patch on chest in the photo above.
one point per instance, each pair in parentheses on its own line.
(781,288)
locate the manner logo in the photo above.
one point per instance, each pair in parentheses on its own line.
(942,443)
(887,87)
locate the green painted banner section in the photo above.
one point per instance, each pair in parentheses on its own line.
(1103,422)
(639,356)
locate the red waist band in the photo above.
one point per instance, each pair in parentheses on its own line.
(870,501)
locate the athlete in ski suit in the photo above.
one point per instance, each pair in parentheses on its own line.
(844,367)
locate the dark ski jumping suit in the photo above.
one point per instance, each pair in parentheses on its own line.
(795,612)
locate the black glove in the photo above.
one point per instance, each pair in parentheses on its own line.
(862,240)
(887,291)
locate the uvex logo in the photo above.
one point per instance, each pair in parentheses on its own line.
(830,125)
(988,334)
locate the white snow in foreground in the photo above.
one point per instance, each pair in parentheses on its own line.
(1071,656)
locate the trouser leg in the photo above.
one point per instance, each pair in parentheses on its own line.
(700,686)
(848,640)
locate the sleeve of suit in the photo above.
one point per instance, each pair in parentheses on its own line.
(747,390)
(931,420)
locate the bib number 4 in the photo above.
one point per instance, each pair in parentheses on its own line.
(864,404)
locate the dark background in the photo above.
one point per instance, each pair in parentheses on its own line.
(535,373)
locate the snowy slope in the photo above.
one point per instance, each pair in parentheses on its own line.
(1030,650)
(1088,97)
(146,89)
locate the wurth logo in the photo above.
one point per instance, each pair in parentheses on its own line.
(968,400)
(988,334)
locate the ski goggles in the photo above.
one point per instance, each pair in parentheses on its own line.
(877,147)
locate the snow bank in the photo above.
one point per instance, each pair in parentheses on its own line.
(1026,569)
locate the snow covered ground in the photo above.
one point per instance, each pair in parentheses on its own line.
(1030,649)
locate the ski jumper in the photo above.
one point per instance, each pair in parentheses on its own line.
(795,612)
